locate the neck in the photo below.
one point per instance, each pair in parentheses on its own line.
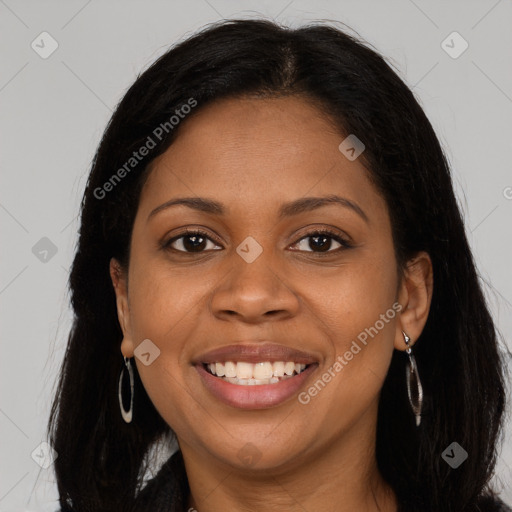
(341,477)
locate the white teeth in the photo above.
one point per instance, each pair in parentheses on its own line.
(230,369)
(219,369)
(254,382)
(263,371)
(278,368)
(244,370)
(289,367)
(250,374)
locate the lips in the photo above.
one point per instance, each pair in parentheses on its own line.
(255,354)
(258,395)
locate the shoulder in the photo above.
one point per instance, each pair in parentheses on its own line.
(492,504)
(168,490)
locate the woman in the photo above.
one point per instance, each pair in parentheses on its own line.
(272,269)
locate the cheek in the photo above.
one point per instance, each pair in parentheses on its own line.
(162,312)
(163,309)
(352,296)
(359,312)
(161,298)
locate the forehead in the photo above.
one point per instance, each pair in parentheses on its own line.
(255,152)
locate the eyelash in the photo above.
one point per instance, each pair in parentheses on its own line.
(320,232)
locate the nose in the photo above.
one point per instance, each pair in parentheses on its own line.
(254,292)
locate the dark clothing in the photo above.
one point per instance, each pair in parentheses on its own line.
(159,494)
(168,491)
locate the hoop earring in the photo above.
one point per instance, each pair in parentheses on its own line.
(127,415)
(414,388)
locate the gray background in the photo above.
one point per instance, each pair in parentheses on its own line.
(54,110)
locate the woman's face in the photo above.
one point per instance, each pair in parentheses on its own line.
(261,285)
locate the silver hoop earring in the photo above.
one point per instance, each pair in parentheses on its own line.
(414,388)
(127,415)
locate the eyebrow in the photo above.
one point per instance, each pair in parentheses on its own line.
(304,204)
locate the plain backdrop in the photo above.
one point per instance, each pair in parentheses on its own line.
(54,110)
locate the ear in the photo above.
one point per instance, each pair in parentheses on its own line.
(415,296)
(119,281)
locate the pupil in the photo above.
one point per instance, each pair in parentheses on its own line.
(322,246)
(197,243)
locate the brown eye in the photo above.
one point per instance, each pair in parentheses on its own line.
(322,242)
(190,242)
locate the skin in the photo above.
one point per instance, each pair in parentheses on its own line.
(253,155)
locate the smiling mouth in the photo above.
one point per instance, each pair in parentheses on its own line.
(243,373)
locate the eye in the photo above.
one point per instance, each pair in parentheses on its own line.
(192,241)
(321,241)
(196,241)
